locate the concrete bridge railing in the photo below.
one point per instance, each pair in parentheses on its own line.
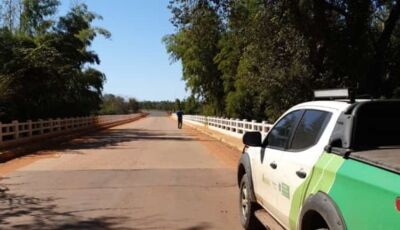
(19,132)
(233,127)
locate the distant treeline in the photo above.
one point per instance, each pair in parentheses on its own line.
(45,61)
(158,105)
(188,105)
(118,105)
(255,58)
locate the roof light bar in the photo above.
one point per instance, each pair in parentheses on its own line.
(332,93)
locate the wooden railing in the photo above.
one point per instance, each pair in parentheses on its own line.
(21,131)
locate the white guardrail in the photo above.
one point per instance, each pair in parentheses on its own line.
(21,131)
(233,127)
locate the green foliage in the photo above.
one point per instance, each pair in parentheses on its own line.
(44,63)
(117,105)
(34,18)
(270,55)
(158,105)
(196,45)
(191,106)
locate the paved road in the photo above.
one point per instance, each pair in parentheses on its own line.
(142,175)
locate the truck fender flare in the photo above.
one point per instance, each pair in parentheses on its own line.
(322,204)
(244,167)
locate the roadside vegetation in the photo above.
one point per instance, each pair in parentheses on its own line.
(46,61)
(113,105)
(190,105)
(158,105)
(255,58)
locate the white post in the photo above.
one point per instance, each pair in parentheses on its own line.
(1,132)
(264,127)
(63,125)
(237,125)
(51,124)
(16,129)
(29,128)
(58,124)
(40,126)
(253,125)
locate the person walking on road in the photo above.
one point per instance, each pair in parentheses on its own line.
(179,114)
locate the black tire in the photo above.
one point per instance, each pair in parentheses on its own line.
(247,207)
(319,212)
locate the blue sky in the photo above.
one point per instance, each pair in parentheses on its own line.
(134,59)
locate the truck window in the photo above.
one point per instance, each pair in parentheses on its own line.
(310,129)
(377,125)
(279,136)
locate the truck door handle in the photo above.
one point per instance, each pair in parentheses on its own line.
(301,174)
(273,165)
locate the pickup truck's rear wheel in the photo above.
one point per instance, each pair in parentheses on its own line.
(247,206)
(319,212)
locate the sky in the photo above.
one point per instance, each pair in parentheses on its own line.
(135,60)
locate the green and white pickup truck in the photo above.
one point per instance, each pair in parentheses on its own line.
(324,165)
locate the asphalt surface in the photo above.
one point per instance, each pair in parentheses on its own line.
(143,175)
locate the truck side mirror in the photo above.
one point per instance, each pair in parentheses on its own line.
(252,139)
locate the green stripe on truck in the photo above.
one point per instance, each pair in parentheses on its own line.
(364,194)
(321,179)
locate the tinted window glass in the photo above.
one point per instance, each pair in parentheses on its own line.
(377,125)
(279,136)
(310,129)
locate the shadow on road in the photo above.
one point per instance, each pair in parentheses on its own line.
(113,137)
(26,212)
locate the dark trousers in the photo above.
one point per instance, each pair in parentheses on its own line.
(180,123)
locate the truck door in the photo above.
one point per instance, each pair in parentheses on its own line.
(305,147)
(268,165)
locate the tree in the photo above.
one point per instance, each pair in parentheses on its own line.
(272,73)
(168,106)
(191,106)
(196,45)
(112,104)
(271,55)
(34,19)
(45,65)
(349,40)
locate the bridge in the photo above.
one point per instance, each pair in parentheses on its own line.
(144,174)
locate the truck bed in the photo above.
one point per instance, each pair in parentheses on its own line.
(387,158)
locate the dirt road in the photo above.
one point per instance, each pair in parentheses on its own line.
(142,175)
